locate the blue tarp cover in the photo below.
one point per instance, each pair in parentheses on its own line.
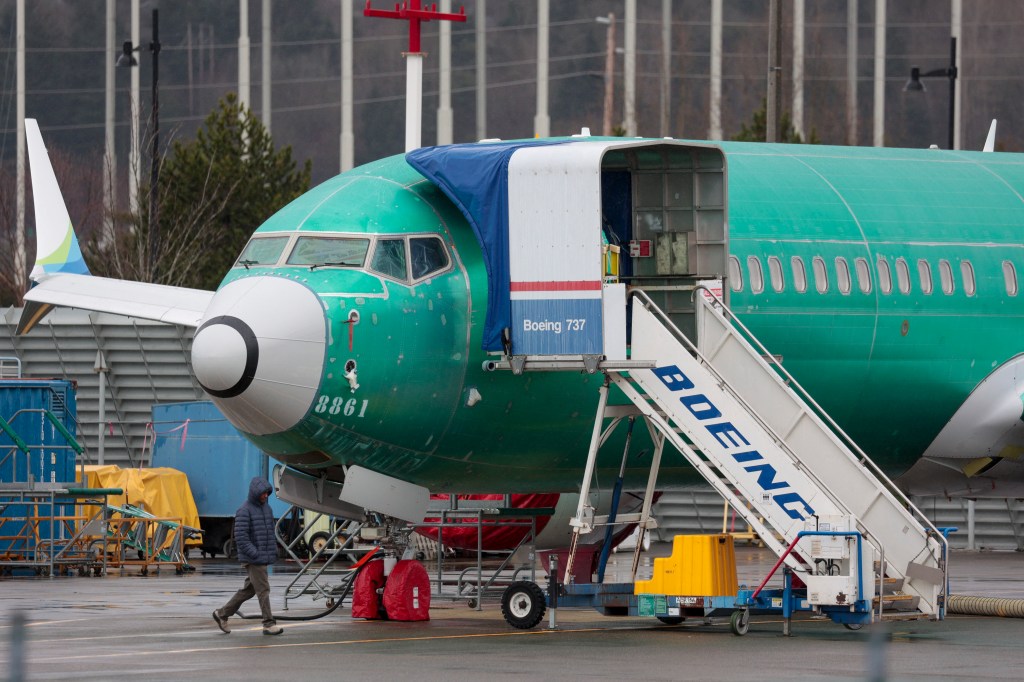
(475,177)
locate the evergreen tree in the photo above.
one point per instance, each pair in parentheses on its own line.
(213,192)
(758,130)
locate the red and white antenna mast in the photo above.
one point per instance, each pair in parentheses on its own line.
(412,12)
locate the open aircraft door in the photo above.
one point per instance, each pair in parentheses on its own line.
(660,204)
(545,213)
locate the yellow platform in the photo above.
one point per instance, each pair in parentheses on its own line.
(161,491)
(699,565)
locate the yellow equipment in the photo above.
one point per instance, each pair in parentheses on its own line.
(699,565)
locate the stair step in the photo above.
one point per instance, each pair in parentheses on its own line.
(891,585)
(896,597)
(826,466)
(905,615)
(898,602)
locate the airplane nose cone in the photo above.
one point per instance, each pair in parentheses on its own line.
(259,352)
(225,354)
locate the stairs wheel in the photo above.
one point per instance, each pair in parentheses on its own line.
(523,604)
(318,542)
(739,622)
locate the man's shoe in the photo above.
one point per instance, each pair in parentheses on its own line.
(272,630)
(222,623)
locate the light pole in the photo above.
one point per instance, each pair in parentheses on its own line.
(609,72)
(415,14)
(127,59)
(773,102)
(915,85)
(101,369)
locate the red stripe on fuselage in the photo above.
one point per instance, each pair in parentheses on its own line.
(572,285)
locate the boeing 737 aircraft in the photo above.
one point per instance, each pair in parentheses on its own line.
(359,328)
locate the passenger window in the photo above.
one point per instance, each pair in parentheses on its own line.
(1010,277)
(863,275)
(820,274)
(946,276)
(735,274)
(756,275)
(428,256)
(967,275)
(903,276)
(333,251)
(924,272)
(843,275)
(389,258)
(884,276)
(799,274)
(775,273)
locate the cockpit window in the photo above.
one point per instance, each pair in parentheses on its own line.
(389,258)
(329,251)
(261,251)
(428,256)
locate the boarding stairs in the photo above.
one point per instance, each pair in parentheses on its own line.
(761,441)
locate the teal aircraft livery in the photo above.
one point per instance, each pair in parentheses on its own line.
(360,326)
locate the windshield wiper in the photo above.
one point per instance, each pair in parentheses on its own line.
(247,263)
(337,263)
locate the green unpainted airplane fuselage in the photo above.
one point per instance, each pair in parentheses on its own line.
(890,367)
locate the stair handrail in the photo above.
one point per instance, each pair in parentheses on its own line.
(721,484)
(814,533)
(5,427)
(19,444)
(7,362)
(50,417)
(653,308)
(824,416)
(649,304)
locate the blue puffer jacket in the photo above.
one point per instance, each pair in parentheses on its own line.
(254,526)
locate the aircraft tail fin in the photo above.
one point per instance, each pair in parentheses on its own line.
(57,249)
(990,140)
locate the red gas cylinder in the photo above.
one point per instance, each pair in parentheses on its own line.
(407,592)
(365,600)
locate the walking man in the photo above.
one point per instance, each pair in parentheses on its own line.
(254,538)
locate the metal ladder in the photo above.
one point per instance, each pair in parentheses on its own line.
(759,439)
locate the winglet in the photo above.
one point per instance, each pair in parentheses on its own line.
(990,141)
(31,315)
(57,249)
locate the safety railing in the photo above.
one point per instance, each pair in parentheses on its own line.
(53,531)
(820,412)
(19,444)
(10,367)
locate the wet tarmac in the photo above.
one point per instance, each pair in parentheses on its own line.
(158,627)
